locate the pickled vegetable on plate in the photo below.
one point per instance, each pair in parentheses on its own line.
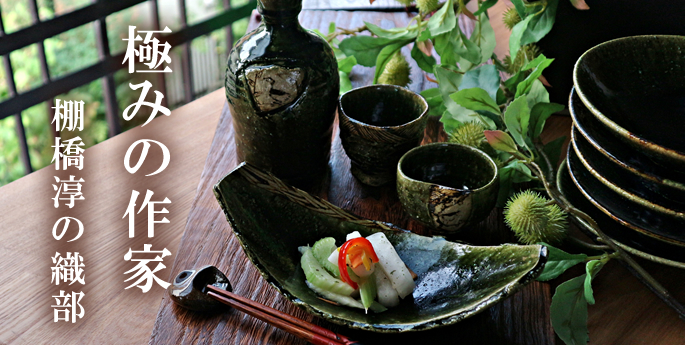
(368,266)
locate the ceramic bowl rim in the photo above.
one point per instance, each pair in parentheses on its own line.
(492,181)
(652,176)
(616,188)
(651,257)
(607,212)
(379,86)
(613,126)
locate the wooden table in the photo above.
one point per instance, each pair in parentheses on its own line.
(625,313)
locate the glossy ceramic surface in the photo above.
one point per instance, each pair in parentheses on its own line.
(271,220)
(640,191)
(643,219)
(447,186)
(670,182)
(378,124)
(632,241)
(282,88)
(635,87)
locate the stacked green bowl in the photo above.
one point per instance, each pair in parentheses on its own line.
(627,157)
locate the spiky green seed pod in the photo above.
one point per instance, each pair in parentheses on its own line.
(405,2)
(511,18)
(396,71)
(533,220)
(471,134)
(525,55)
(427,6)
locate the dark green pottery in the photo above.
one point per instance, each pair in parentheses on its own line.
(642,191)
(635,87)
(455,281)
(668,182)
(378,124)
(447,186)
(643,218)
(282,86)
(632,241)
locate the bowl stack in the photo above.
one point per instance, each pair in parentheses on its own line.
(626,164)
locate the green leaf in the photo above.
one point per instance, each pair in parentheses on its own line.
(485,77)
(537,94)
(450,123)
(521,172)
(443,20)
(434,100)
(364,48)
(475,99)
(331,27)
(505,181)
(384,56)
(516,34)
(402,33)
(520,7)
(516,118)
(541,24)
(467,49)
(487,4)
(448,79)
(569,312)
(446,46)
(425,62)
(591,269)
(525,86)
(514,80)
(539,114)
(483,36)
(500,140)
(501,98)
(345,83)
(346,64)
(558,261)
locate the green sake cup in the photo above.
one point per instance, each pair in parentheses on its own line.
(378,124)
(447,186)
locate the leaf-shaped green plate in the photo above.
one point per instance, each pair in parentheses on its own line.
(272,219)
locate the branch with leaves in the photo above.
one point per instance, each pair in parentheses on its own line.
(504,117)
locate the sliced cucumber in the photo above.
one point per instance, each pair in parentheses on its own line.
(322,249)
(318,276)
(368,290)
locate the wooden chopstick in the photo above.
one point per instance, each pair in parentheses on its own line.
(305,330)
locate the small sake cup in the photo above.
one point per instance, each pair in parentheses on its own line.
(378,124)
(447,186)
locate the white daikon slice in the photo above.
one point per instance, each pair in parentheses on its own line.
(387,296)
(352,235)
(392,265)
(333,258)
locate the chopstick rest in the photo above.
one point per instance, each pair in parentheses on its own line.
(208,288)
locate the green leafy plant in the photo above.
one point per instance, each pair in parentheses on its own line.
(481,99)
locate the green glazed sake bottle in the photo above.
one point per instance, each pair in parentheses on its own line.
(282,88)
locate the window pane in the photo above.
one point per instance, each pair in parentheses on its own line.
(15,15)
(26,68)
(117,25)
(65,57)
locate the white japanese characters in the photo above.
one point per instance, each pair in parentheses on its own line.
(68,269)
(166,155)
(152,54)
(68,304)
(67,157)
(143,271)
